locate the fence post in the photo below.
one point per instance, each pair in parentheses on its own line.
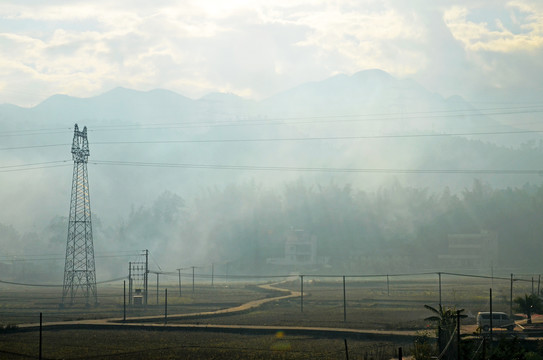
(400,357)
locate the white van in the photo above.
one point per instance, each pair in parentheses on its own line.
(499,320)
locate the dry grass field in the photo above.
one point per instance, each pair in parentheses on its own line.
(368,304)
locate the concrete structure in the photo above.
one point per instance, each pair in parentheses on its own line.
(471,251)
(300,249)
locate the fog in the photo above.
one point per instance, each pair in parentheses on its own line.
(380,172)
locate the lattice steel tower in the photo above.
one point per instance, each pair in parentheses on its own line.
(79,269)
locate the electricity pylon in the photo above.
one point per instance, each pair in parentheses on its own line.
(79,269)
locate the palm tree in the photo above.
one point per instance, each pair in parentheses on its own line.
(446,327)
(445,318)
(528,304)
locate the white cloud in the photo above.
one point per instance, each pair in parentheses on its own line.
(480,37)
(248,47)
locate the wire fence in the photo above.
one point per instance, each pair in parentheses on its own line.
(387,302)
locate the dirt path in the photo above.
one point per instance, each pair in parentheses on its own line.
(236,309)
(159,323)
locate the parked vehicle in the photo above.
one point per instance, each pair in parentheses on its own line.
(499,320)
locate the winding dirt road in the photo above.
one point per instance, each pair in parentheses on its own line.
(159,323)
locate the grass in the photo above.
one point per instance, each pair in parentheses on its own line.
(370,304)
(141,344)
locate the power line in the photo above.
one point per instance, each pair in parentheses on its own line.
(263,120)
(320,169)
(320,138)
(34,166)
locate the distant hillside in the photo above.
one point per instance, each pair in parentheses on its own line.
(367,130)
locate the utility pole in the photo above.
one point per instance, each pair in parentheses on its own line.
(388,286)
(146,275)
(179,272)
(79,266)
(193,278)
(165,306)
(344,302)
(511,298)
(459,356)
(157,274)
(124,300)
(440,304)
(491,324)
(302,293)
(130,283)
(41,338)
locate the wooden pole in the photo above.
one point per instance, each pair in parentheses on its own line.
(302,293)
(344,302)
(491,324)
(179,271)
(157,288)
(130,282)
(40,346)
(459,356)
(346,349)
(226,277)
(439,274)
(193,279)
(124,300)
(388,286)
(212,273)
(400,355)
(165,306)
(511,298)
(146,277)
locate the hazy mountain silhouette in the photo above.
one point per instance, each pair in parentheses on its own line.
(369,120)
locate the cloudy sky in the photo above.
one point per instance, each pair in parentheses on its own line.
(479,49)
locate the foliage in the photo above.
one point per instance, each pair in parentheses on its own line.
(445,317)
(508,349)
(393,229)
(533,356)
(423,349)
(528,305)
(8,328)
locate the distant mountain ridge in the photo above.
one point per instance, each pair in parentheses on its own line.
(347,129)
(370,95)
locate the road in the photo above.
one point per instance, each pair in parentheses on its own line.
(159,323)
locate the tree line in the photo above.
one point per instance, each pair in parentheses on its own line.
(393,229)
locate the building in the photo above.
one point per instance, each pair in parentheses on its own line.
(300,249)
(470,251)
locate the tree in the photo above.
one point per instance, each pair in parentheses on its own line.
(446,328)
(529,304)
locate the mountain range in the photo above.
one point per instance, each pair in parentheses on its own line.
(368,130)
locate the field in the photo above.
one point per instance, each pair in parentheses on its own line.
(396,305)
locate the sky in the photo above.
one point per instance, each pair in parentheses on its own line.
(489,50)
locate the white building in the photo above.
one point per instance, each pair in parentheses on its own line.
(300,249)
